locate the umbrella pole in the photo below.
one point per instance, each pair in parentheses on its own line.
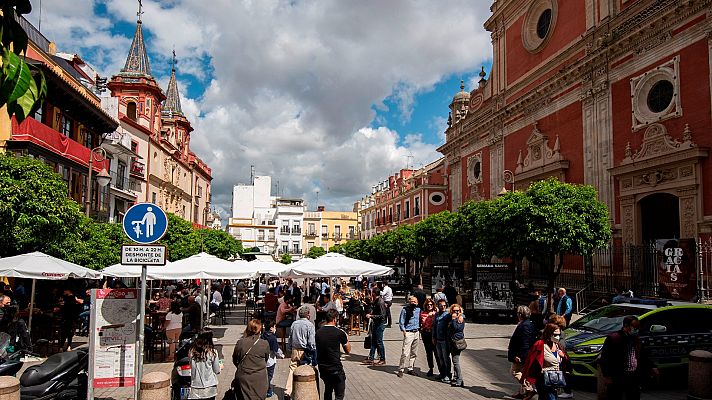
(32,304)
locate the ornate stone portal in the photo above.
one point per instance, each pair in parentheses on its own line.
(661,165)
(541,161)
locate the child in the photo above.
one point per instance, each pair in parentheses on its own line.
(204,367)
(274,352)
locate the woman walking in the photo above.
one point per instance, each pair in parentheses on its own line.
(544,358)
(204,367)
(173,327)
(456,333)
(250,357)
(378,325)
(427,316)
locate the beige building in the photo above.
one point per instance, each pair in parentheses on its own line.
(329,228)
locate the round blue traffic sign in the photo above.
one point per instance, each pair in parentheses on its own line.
(145,223)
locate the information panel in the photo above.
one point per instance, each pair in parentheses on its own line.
(113,338)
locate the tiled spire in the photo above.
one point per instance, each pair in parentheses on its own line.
(172,104)
(137,61)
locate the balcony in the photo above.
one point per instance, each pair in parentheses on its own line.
(284,230)
(260,238)
(351,236)
(137,169)
(43,136)
(311,233)
(324,235)
(337,236)
(296,231)
(124,183)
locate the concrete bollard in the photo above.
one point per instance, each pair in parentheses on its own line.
(155,386)
(9,388)
(700,374)
(304,386)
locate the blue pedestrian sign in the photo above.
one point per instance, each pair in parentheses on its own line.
(145,223)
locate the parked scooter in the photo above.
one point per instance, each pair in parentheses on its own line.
(180,376)
(10,363)
(63,376)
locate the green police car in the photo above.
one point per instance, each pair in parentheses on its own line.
(668,330)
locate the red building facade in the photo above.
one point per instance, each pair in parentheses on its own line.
(612,93)
(407,197)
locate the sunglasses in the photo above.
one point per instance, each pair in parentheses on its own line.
(458,310)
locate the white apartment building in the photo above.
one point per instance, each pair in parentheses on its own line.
(290,219)
(253,217)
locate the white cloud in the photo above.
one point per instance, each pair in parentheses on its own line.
(292,85)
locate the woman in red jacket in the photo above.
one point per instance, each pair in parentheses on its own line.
(544,355)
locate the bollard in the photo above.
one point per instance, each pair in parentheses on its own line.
(155,386)
(304,386)
(700,374)
(9,388)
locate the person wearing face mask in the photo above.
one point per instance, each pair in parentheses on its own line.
(409,322)
(624,362)
(545,355)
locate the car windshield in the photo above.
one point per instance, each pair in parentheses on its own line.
(606,319)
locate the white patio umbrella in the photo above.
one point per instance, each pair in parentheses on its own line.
(132,271)
(334,264)
(38,265)
(202,266)
(271,268)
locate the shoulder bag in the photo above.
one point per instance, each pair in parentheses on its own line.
(459,344)
(554,378)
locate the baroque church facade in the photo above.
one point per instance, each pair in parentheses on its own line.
(616,94)
(176,179)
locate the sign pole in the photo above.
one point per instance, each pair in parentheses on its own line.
(141,334)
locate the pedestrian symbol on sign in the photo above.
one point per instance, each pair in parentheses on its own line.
(145,223)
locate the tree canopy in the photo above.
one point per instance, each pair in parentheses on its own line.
(315,252)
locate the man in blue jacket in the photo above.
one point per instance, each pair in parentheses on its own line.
(565,307)
(522,339)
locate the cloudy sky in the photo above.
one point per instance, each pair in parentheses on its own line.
(324,96)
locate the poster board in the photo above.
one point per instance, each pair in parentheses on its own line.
(112,339)
(677,269)
(492,286)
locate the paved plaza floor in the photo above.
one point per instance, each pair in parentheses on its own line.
(484,365)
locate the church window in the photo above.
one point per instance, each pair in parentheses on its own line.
(544,23)
(655,94)
(539,23)
(660,96)
(131,110)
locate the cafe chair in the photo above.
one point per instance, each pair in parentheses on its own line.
(355,324)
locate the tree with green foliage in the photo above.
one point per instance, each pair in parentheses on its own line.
(97,245)
(286,259)
(181,240)
(22,87)
(549,220)
(219,243)
(35,212)
(316,252)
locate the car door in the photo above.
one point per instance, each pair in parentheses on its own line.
(685,329)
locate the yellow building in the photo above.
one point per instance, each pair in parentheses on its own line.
(328,228)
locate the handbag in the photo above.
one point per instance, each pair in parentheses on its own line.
(460,344)
(554,379)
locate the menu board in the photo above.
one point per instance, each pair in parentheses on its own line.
(113,338)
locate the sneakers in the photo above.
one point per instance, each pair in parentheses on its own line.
(367,361)
(400,373)
(445,380)
(378,363)
(430,373)
(565,395)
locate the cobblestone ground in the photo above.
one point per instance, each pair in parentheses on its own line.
(484,364)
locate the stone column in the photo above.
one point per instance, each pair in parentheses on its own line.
(304,387)
(9,388)
(699,386)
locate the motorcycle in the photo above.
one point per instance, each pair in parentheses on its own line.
(63,376)
(10,363)
(180,374)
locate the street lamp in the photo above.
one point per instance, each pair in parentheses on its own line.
(103,178)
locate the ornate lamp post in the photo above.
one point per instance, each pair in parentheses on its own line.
(103,178)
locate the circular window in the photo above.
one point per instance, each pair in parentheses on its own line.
(544,23)
(660,96)
(539,23)
(437,198)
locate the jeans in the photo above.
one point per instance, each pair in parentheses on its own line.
(442,352)
(427,338)
(455,354)
(270,374)
(389,320)
(377,342)
(544,392)
(334,381)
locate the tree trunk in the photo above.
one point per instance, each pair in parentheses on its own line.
(554,272)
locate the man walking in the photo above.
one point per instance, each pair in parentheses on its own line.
(328,340)
(565,307)
(441,340)
(624,362)
(410,325)
(301,339)
(387,296)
